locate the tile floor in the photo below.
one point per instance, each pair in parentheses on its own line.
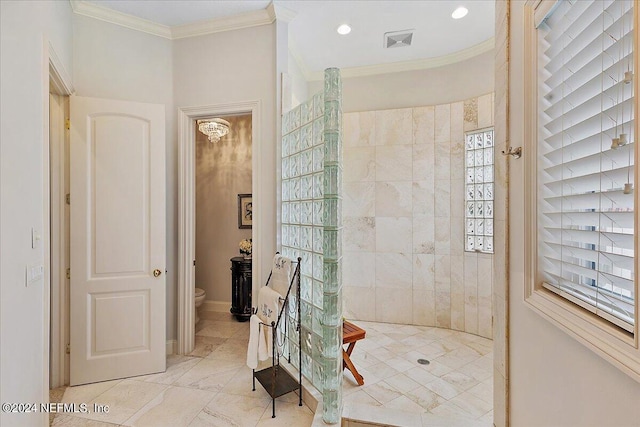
(455,388)
(209,387)
(212,385)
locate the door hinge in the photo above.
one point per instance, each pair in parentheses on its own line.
(68,273)
(68,349)
(67,198)
(67,124)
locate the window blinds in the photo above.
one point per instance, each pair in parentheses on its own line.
(586,156)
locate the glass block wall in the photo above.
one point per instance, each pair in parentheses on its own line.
(311,227)
(479,191)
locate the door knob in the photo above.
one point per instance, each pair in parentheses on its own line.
(156,273)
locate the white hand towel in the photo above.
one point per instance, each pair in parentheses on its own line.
(281,274)
(255,337)
(268,310)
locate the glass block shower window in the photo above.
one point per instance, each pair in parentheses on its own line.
(479,191)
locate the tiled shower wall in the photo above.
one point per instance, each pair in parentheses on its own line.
(404,259)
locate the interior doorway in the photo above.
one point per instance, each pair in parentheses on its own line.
(59,238)
(56,221)
(223,179)
(187,119)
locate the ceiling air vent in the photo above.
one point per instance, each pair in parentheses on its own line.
(398,38)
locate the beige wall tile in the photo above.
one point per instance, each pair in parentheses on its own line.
(423,234)
(394,127)
(424,125)
(394,305)
(359,198)
(393,270)
(485,111)
(394,234)
(394,163)
(358,129)
(442,123)
(394,198)
(424,307)
(423,162)
(362,164)
(404,237)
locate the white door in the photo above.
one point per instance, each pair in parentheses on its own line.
(117,174)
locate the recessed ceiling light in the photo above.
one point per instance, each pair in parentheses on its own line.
(460,12)
(344,29)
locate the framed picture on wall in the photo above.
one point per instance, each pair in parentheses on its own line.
(245,211)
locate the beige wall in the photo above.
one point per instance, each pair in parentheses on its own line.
(232,67)
(432,86)
(404,259)
(27,29)
(223,170)
(554,380)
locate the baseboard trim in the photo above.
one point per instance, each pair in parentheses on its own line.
(218,306)
(171,346)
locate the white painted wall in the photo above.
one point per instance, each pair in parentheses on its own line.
(463,80)
(230,67)
(299,86)
(25,27)
(555,381)
(110,61)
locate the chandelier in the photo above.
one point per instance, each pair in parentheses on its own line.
(214,128)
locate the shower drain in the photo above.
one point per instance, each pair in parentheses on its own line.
(423,361)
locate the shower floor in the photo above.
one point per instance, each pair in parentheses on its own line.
(454,388)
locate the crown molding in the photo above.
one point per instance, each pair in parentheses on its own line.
(218,25)
(281,13)
(397,67)
(114,17)
(227,23)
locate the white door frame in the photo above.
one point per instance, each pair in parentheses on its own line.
(187,117)
(56,79)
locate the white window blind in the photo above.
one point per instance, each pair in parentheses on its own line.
(586,156)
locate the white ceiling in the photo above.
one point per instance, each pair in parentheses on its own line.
(313,36)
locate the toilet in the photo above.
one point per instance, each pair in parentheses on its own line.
(199,296)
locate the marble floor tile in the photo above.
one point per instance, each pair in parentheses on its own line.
(442,388)
(229,410)
(213,387)
(175,406)
(382,391)
(241,385)
(287,414)
(177,366)
(63,420)
(232,349)
(359,397)
(210,375)
(219,329)
(205,345)
(88,392)
(124,399)
(426,398)
(405,404)
(402,383)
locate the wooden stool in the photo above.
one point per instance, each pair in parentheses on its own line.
(350,335)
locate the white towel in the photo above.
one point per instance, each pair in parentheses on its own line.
(281,274)
(257,348)
(268,310)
